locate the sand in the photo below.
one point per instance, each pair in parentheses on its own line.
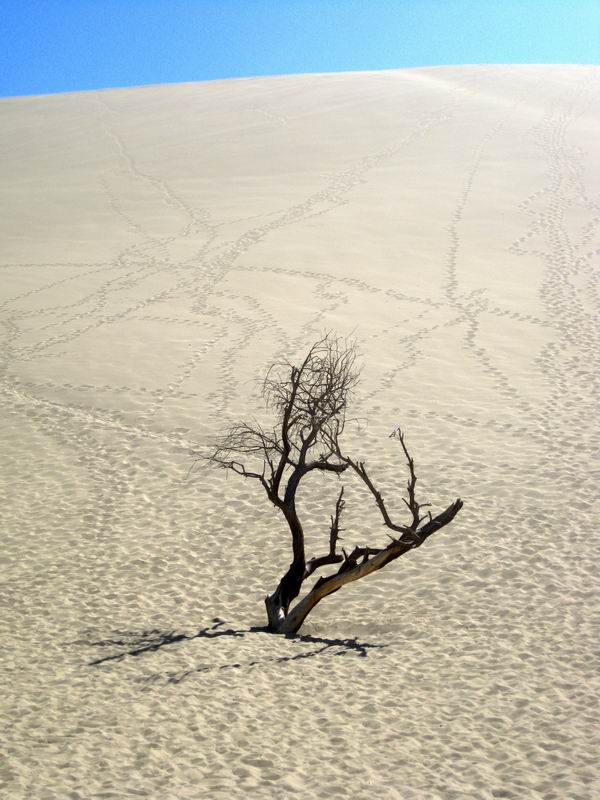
(160,247)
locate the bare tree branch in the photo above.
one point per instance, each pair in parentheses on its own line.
(333,557)
(411,503)
(361,471)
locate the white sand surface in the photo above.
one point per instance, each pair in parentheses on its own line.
(160,247)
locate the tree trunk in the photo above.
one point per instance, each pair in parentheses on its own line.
(277,604)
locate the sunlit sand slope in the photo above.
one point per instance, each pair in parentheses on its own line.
(160,247)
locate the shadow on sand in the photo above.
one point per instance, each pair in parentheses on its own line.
(135,644)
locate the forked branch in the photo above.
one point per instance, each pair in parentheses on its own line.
(411,503)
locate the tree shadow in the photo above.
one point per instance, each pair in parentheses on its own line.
(138,643)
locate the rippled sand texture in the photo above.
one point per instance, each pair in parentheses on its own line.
(161,246)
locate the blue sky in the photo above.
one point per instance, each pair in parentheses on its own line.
(70,45)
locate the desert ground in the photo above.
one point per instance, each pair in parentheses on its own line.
(161,246)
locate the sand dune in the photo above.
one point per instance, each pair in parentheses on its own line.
(160,247)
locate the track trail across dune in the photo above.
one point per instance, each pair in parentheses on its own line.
(161,247)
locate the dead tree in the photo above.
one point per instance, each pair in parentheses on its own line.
(310,402)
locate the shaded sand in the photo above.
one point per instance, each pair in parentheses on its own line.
(160,246)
